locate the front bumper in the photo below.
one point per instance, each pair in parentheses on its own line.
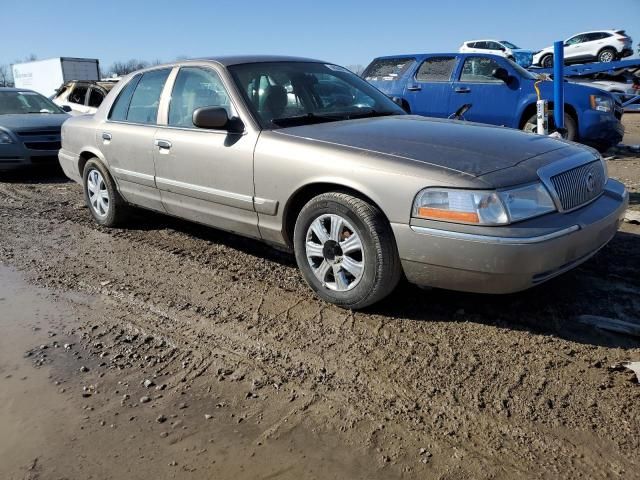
(509,259)
(14,156)
(601,129)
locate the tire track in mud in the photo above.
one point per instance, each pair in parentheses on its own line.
(467,384)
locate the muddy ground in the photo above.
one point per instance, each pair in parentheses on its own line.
(170,350)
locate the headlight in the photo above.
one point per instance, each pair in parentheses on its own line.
(5,138)
(483,207)
(601,103)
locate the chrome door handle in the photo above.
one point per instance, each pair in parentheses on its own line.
(106,136)
(163,144)
(463,90)
(414,88)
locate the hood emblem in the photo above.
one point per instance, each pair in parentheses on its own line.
(590,182)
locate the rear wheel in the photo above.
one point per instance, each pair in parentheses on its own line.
(105,203)
(531,126)
(346,251)
(607,55)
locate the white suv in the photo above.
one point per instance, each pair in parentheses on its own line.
(600,46)
(498,47)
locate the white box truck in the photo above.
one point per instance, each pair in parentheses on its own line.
(45,76)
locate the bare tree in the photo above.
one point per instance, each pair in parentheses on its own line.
(6,76)
(123,68)
(357,69)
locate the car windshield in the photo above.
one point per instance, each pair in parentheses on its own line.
(509,44)
(21,102)
(286,94)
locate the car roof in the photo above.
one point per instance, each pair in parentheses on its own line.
(484,40)
(598,31)
(230,60)
(438,54)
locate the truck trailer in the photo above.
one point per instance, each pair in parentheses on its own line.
(46,76)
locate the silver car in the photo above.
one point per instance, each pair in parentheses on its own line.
(305,155)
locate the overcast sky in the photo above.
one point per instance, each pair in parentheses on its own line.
(345,32)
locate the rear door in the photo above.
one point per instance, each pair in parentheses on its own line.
(492,101)
(126,137)
(387,73)
(429,89)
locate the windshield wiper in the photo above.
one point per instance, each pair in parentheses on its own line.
(370,113)
(305,119)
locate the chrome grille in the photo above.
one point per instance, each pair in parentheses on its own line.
(579,185)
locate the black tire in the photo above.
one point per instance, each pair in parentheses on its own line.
(569,124)
(117,211)
(381,268)
(547,61)
(607,55)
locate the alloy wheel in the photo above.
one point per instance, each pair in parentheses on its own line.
(335,252)
(98,194)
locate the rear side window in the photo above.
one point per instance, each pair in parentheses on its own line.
(388,68)
(121,105)
(78,95)
(437,69)
(95,98)
(146,97)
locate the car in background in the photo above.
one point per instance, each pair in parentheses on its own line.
(503,48)
(596,46)
(29,129)
(307,156)
(499,91)
(82,96)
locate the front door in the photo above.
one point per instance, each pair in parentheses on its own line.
(492,100)
(429,89)
(126,138)
(205,175)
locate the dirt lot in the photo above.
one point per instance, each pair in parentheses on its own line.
(170,350)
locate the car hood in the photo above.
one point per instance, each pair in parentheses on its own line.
(469,148)
(32,121)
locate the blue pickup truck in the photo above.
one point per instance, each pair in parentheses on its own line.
(499,91)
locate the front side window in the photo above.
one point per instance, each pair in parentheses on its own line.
(146,97)
(436,69)
(509,45)
(479,70)
(575,40)
(78,94)
(282,94)
(194,88)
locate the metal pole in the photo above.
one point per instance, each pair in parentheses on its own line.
(558,84)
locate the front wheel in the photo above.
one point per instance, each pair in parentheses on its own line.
(531,126)
(346,251)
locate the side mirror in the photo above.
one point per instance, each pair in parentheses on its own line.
(66,108)
(398,101)
(501,74)
(216,118)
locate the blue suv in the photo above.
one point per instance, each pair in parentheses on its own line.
(499,91)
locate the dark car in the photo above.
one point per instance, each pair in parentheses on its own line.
(500,93)
(29,129)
